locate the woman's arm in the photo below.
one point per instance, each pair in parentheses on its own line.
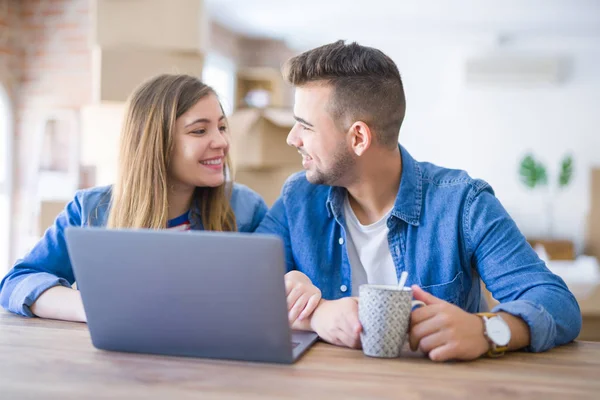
(59,302)
(47,266)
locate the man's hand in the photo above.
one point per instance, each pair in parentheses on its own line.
(444,331)
(302,296)
(336,322)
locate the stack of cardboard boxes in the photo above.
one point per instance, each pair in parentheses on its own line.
(261,157)
(137,39)
(133,41)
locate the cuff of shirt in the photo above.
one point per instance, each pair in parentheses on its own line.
(542,328)
(30,288)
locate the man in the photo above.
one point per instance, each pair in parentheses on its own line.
(364,211)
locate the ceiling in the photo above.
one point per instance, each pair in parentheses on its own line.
(307,23)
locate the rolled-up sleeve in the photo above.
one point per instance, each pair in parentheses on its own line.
(516,276)
(45,266)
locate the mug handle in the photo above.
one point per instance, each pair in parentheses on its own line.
(417,304)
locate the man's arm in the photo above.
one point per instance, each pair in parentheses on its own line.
(276,223)
(335,321)
(445,332)
(302,296)
(517,278)
(536,304)
(519,331)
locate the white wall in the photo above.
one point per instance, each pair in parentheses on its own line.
(487,130)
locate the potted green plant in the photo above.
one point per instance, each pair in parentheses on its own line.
(533,174)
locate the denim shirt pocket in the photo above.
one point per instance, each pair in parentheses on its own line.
(451,291)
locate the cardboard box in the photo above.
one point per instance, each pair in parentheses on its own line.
(590,312)
(593,234)
(116,72)
(260,78)
(590,329)
(49,210)
(267,182)
(259,139)
(556,249)
(170,25)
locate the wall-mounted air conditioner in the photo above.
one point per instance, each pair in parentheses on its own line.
(518,69)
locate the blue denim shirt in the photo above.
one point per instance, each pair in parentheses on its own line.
(48,263)
(447,231)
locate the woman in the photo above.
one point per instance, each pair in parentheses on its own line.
(172,175)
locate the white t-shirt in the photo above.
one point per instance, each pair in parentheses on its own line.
(368,251)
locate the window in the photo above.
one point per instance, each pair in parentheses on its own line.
(55,149)
(219,73)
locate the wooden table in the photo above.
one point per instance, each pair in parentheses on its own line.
(45,359)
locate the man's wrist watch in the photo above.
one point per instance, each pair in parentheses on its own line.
(497,333)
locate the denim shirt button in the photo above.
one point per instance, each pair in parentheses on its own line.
(341,240)
(343,288)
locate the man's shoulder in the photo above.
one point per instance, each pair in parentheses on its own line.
(437,177)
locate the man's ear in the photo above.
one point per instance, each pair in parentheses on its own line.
(361,137)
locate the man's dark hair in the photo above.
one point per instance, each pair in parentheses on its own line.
(366,86)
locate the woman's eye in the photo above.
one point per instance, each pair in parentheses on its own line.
(199,132)
(223,129)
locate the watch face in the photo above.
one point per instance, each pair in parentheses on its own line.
(498,331)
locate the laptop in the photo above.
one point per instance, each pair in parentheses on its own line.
(195,293)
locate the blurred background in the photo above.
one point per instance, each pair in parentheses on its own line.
(507,90)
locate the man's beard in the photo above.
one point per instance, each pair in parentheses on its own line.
(340,168)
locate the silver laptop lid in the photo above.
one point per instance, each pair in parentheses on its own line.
(206,294)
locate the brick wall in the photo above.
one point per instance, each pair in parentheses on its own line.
(10,47)
(55,73)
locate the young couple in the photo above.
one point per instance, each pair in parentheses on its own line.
(362,212)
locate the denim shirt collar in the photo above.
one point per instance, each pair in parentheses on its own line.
(407,206)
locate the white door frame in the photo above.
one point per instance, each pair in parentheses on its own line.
(6,187)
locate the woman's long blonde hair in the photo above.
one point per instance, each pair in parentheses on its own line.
(139,197)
